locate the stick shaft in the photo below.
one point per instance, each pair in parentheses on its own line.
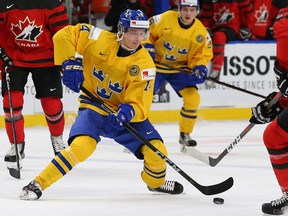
(207,190)
(13,172)
(186,69)
(214,161)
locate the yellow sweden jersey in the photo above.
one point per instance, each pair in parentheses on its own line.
(115,80)
(176,46)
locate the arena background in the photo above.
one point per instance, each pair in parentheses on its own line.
(247,65)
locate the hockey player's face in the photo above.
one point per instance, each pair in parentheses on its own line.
(188,14)
(133,37)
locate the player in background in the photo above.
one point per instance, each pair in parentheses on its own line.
(26,30)
(225,19)
(117,69)
(265,12)
(116,8)
(275,136)
(274,9)
(178,39)
(261,19)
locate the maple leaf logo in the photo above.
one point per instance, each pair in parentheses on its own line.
(223,16)
(26,30)
(262,14)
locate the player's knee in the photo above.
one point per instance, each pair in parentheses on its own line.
(53,109)
(268,142)
(17,102)
(150,156)
(51,105)
(191,98)
(81,148)
(274,136)
(154,170)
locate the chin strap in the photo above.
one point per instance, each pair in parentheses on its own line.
(126,48)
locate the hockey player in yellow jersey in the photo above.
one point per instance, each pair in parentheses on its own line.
(117,69)
(180,40)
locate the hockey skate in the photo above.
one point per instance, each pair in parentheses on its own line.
(215,75)
(58,144)
(186,140)
(276,207)
(169,187)
(10,156)
(32,191)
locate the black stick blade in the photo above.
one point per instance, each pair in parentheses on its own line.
(217,188)
(15,173)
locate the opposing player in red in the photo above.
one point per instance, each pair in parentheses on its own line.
(26,30)
(225,20)
(275,136)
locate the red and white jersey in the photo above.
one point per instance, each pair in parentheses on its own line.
(261,18)
(27,28)
(227,13)
(281,35)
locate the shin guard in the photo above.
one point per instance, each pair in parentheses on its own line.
(79,150)
(219,41)
(154,170)
(275,140)
(17,106)
(189,111)
(53,109)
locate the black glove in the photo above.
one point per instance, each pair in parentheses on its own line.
(245,33)
(262,113)
(282,79)
(6,60)
(270,33)
(209,31)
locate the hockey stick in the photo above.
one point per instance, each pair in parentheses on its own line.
(214,161)
(207,190)
(13,172)
(186,69)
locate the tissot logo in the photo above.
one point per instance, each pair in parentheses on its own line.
(248,65)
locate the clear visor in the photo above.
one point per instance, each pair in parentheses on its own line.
(143,34)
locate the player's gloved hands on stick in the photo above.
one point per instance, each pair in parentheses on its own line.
(5,58)
(151,49)
(281,78)
(199,74)
(73,74)
(125,114)
(262,113)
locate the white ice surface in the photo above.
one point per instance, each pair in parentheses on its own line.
(109,182)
